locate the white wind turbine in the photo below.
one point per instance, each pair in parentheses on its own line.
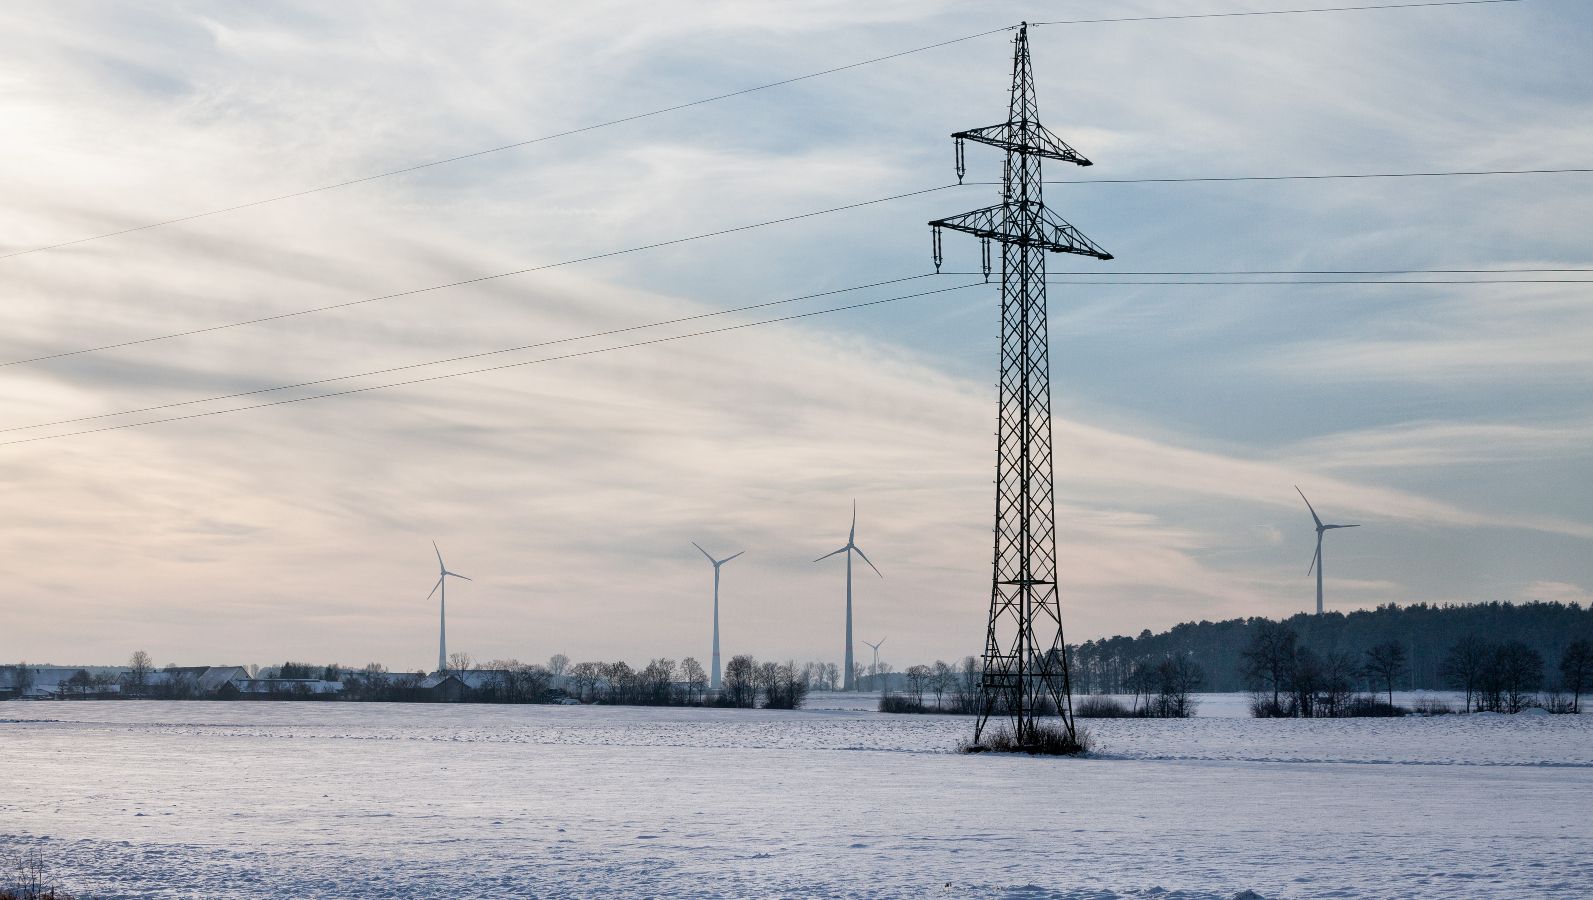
(874,669)
(442,609)
(1316,561)
(851,546)
(717,563)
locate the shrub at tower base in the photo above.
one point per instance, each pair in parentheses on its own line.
(1050,740)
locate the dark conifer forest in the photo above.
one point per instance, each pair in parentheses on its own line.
(1427,634)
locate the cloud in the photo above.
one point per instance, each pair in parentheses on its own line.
(1555,592)
(571,490)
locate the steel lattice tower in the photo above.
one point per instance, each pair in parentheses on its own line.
(1025,659)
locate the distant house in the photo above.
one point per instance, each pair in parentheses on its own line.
(445,687)
(56,682)
(254,687)
(197,681)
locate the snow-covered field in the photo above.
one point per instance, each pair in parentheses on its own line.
(147,799)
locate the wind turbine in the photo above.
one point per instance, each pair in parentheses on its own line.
(851,546)
(1316,561)
(875,647)
(442,610)
(717,563)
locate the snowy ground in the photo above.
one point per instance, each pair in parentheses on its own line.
(146,799)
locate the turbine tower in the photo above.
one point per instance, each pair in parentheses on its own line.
(1316,561)
(717,563)
(875,648)
(442,609)
(847,682)
(1025,659)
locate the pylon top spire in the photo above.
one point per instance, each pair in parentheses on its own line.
(1021,217)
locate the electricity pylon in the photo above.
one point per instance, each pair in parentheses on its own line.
(1025,657)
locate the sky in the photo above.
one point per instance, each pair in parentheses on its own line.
(1452,421)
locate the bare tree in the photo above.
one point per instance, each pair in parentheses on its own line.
(783,686)
(1338,684)
(1519,671)
(1305,680)
(832,676)
(621,680)
(739,685)
(1576,670)
(1177,680)
(557,663)
(941,678)
(657,682)
(1266,661)
(1140,681)
(138,668)
(882,676)
(460,661)
(1385,662)
(1463,665)
(696,678)
(584,677)
(967,684)
(917,680)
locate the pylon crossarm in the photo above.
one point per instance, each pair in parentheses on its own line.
(1052,232)
(1059,234)
(985,223)
(1032,140)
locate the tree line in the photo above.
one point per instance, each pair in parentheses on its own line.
(746,682)
(1288,678)
(1160,689)
(1426,632)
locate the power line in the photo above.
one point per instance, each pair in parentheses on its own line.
(532,362)
(1326,272)
(693,103)
(1053,279)
(437,362)
(1220,178)
(665,243)
(1085,278)
(1445,281)
(536,140)
(1273,12)
(468,281)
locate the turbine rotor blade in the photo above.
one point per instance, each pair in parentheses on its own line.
(833,552)
(703,552)
(1308,505)
(852,535)
(728,558)
(457,575)
(867,560)
(1315,558)
(1341,526)
(440,564)
(434,588)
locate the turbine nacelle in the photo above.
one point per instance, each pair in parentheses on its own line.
(851,544)
(442,570)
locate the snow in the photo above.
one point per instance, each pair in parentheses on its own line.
(150,799)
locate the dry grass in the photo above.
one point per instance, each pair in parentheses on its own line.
(1050,740)
(25,875)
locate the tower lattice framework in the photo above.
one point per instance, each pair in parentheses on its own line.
(1025,658)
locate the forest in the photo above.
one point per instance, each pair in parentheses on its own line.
(1426,632)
